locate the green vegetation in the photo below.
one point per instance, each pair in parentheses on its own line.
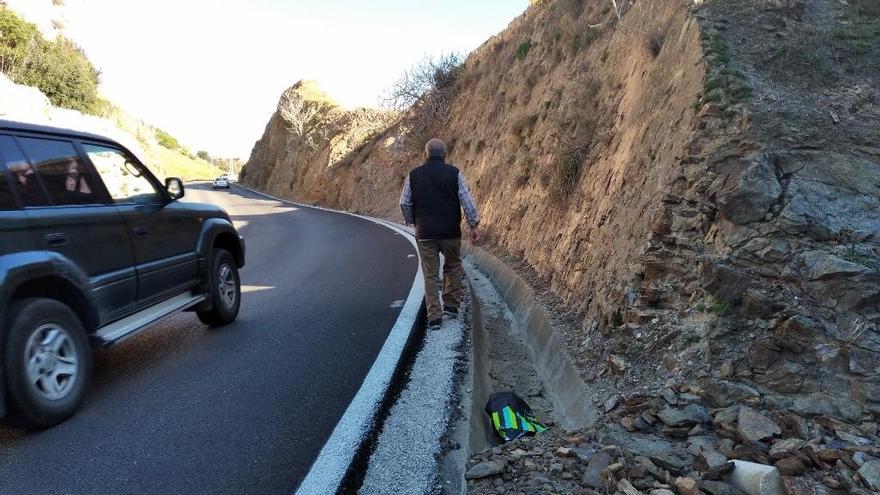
(867,7)
(691,339)
(568,171)
(715,44)
(171,163)
(523,50)
(167,140)
(58,68)
(720,308)
(204,155)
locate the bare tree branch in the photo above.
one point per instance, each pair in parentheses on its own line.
(302,117)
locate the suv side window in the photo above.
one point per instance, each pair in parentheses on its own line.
(66,178)
(7,200)
(21,175)
(124,179)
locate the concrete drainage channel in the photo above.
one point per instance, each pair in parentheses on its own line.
(513,347)
(503,341)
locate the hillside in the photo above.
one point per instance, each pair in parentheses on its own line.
(47,79)
(696,188)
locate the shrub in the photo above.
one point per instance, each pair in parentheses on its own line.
(204,155)
(523,50)
(567,172)
(57,68)
(167,140)
(424,94)
(655,43)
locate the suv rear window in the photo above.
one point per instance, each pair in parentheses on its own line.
(7,202)
(20,174)
(67,180)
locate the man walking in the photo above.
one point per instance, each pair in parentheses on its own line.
(433,196)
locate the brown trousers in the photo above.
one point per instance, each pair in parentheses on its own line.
(429,255)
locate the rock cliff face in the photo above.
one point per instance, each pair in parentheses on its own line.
(698,182)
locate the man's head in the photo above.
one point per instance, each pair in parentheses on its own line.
(435,149)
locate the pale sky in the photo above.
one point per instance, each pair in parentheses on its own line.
(210,72)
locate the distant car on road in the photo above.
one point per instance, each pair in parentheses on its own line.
(93,248)
(221,182)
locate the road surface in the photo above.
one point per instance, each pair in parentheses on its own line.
(241,409)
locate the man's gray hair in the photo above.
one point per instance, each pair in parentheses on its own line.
(435,149)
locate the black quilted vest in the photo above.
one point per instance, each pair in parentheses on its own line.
(436,208)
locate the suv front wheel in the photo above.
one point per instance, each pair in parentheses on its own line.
(224,290)
(47,362)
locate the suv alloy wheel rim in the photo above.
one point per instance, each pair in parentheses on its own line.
(51,361)
(226,282)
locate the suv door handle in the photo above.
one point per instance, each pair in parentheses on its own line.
(56,240)
(141,233)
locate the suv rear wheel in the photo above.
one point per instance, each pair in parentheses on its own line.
(47,362)
(224,290)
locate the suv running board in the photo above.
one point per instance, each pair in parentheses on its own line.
(131,325)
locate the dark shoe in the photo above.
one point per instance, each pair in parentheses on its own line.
(451,312)
(435,324)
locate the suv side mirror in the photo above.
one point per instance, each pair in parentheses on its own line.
(174,186)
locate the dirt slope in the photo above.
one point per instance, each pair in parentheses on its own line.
(699,183)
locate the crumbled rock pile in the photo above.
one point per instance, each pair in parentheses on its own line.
(672,443)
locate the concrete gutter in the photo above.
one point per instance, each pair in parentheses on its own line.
(566,389)
(481,435)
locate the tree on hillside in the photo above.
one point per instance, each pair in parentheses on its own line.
(303,117)
(204,155)
(424,94)
(57,68)
(429,81)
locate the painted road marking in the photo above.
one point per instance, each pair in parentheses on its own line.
(398,303)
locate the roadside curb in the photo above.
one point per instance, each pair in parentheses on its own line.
(567,390)
(351,438)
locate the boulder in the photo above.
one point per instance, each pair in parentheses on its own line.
(484,470)
(791,466)
(787,445)
(746,195)
(718,488)
(593,473)
(831,192)
(688,416)
(753,426)
(687,486)
(870,472)
(819,265)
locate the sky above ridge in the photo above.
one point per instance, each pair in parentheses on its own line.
(211,71)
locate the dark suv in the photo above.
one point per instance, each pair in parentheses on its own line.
(93,248)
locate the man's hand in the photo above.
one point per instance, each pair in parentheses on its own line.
(475,235)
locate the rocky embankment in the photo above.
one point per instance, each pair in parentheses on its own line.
(673,443)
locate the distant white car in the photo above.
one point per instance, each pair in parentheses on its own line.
(221,182)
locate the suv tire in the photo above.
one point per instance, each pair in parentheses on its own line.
(47,362)
(224,290)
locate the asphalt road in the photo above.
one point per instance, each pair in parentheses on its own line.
(241,409)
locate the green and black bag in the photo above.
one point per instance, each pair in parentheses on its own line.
(511,417)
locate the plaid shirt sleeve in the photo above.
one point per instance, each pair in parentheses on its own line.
(467,202)
(406,203)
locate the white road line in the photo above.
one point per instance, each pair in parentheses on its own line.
(328,470)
